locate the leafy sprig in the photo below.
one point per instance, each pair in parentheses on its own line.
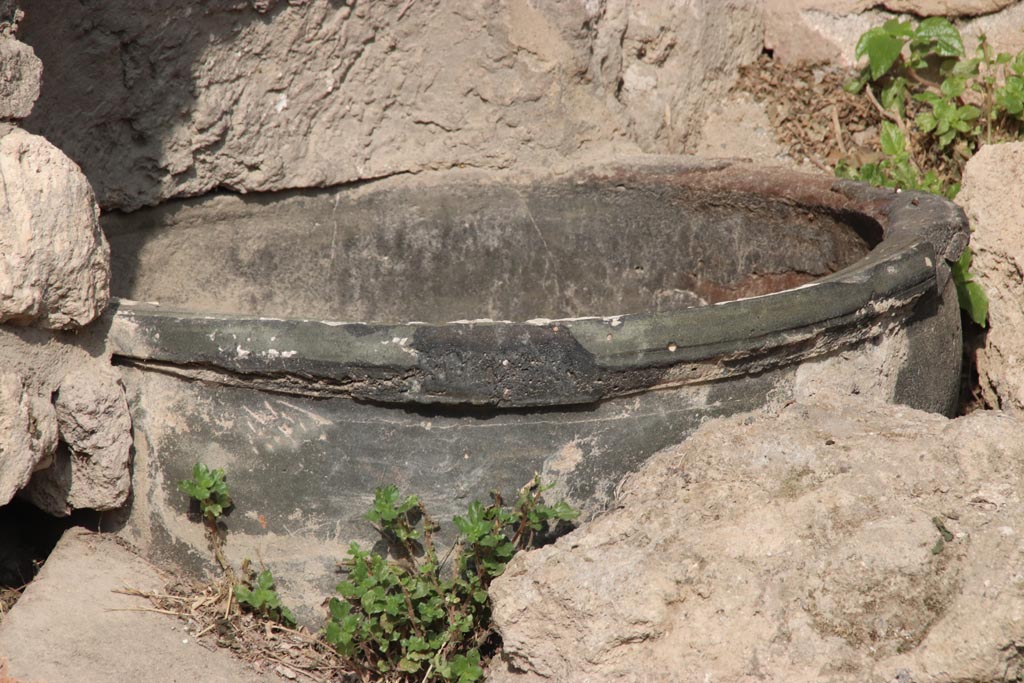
(418,618)
(259,596)
(208,488)
(938,107)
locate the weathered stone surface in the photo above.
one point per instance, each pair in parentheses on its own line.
(803,546)
(20,71)
(156,100)
(28,435)
(55,270)
(94,424)
(996,216)
(739,127)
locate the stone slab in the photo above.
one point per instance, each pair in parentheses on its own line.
(69,625)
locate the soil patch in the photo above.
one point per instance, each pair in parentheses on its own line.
(813,118)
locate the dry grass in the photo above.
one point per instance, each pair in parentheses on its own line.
(214,618)
(813,117)
(8,596)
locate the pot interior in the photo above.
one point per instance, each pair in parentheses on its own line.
(438,252)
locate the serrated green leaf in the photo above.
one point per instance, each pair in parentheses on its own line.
(970,295)
(332,633)
(466,668)
(974,301)
(968,112)
(409,665)
(895,94)
(1010,97)
(338,609)
(265,580)
(287,617)
(898,29)
(965,67)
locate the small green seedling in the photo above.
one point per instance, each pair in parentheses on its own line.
(970,294)
(260,598)
(419,618)
(208,488)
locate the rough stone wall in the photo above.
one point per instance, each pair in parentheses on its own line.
(156,100)
(64,426)
(165,99)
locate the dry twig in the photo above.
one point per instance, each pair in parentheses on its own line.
(213,615)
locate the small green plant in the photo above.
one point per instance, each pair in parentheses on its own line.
(208,488)
(259,597)
(970,295)
(418,617)
(938,107)
(255,593)
(896,169)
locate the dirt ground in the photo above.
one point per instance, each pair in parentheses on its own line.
(812,118)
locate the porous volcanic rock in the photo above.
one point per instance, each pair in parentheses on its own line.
(842,540)
(997,213)
(55,265)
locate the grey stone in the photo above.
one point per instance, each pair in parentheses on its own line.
(948,8)
(841,540)
(20,71)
